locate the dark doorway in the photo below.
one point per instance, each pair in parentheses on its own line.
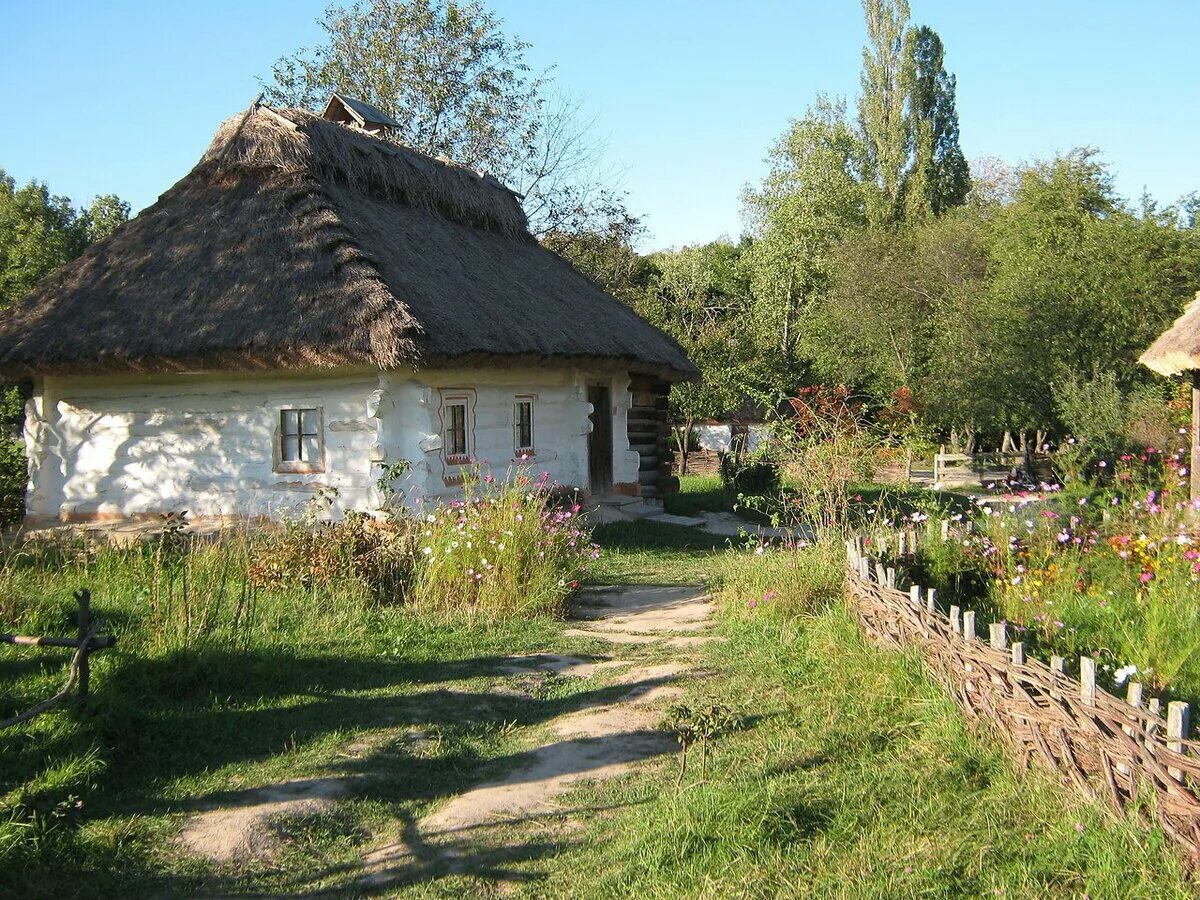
(600,441)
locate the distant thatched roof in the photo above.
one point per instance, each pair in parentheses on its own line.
(296,242)
(1177,349)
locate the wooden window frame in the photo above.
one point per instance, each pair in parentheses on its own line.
(466,399)
(524,448)
(299,466)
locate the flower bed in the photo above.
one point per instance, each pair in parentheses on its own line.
(1110,568)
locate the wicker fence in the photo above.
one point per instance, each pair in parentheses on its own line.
(1107,747)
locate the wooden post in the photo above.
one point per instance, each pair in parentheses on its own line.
(968,626)
(931,599)
(998,632)
(891,578)
(945,529)
(1058,664)
(914,595)
(1134,695)
(901,544)
(880,575)
(956,619)
(1087,680)
(1018,653)
(1154,707)
(1178,725)
(84,621)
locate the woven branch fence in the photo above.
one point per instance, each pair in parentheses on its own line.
(1105,746)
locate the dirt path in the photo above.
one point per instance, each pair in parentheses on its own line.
(651,630)
(651,634)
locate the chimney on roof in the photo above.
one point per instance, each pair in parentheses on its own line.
(357,114)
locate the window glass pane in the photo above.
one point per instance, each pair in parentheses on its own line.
(288,421)
(524,425)
(291,448)
(456,436)
(308,421)
(310,448)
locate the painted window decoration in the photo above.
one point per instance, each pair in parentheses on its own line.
(300,439)
(523,426)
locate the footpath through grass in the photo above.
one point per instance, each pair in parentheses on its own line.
(852,775)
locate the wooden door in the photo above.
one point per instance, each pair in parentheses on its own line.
(600,441)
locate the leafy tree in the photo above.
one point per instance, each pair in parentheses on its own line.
(105,215)
(884,108)
(39,232)
(810,201)
(945,176)
(460,88)
(699,294)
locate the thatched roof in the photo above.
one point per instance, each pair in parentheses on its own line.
(296,242)
(1177,350)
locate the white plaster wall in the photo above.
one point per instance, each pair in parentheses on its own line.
(120,446)
(123,445)
(714,437)
(412,428)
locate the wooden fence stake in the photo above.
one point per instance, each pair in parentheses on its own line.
(998,632)
(901,544)
(931,599)
(1018,653)
(891,578)
(968,625)
(1058,664)
(1087,680)
(1178,725)
(914,595)
(1134,694)
(956,619)
(945,529)
(880,574)
(84,622)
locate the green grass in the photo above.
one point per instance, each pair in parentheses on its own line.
(90,801)
(698,494)
(852,776)
(648,552)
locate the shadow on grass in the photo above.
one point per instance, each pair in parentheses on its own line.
(164,721)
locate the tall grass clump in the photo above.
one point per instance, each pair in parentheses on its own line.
(505,548)
(791,578)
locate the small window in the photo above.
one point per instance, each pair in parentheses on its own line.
(523,426)
(456,429)
(300,439)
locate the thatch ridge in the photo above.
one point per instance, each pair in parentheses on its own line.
(296,140)
(1177,350)
(300,243)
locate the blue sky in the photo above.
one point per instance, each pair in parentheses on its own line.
(687,96)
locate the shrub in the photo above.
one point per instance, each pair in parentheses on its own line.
(755,475)
(13,480)
(381,553)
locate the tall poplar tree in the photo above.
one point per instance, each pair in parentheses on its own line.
(939,166)
(883,108)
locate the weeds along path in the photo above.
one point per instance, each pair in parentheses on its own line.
(650,631)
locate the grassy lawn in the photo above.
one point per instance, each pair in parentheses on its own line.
(263,686)
(849,773)
(852,776)
(697,494)
(649,552)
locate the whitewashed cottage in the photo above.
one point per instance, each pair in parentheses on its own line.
(312,302)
